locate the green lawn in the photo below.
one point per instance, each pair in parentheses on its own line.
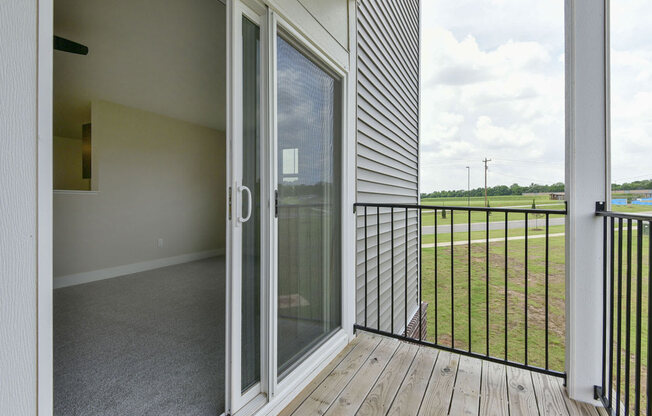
(496,302)
(441,324)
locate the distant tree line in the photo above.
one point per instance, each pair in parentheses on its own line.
(516,189)
(630,186)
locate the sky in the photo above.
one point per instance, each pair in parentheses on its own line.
(493,86)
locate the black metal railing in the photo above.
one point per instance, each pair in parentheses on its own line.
(482,283)
(626,347)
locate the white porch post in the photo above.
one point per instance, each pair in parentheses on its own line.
(587,181)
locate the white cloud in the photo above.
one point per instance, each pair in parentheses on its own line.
(492,87)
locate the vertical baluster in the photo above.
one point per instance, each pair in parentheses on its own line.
(378,264)
(405,288)
(628,313)
(526,282)
(469,275)
(436,277)
(452,282)
(487,279)
(506,277)
(546,305)
(612,251)
(648,379)
(620,309)
(392,269)
(604,304)
(639,315)
(420,260)
(366,305)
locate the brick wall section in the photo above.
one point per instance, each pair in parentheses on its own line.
(413,327)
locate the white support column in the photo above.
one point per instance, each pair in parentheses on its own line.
(587,179)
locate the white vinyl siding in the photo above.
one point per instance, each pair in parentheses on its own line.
(387,157)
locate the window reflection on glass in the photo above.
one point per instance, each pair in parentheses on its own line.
(309,136)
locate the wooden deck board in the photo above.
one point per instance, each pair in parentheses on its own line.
(377,375)
(550,395)
(381,396)
(409,397)
(438,395)
(352,396)
(466,395)
(296,402)
(522,399)
(493,397)
(330,388)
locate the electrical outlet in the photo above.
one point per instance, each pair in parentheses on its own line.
(159,243)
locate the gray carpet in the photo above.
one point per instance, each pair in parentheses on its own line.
(150,343)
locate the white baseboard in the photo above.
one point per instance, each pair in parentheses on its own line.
(101,274)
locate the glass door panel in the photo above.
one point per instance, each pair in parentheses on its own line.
(250,189)
(308,162)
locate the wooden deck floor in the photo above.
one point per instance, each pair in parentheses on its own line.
(378,375)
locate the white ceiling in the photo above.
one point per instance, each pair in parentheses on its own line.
(164,56)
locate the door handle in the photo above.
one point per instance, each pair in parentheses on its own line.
(242,189)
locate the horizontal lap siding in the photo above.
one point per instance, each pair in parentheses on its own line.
(387,158)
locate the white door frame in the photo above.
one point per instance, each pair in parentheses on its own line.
(255,396)
(279,394)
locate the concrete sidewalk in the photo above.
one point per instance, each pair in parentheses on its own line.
(491,240)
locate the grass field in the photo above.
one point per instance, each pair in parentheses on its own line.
(449,296)
(442,302)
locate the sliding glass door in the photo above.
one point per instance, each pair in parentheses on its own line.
(309,130)
(248,222)
(285,135)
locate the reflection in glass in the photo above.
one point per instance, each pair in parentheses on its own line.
(250,362)
(309,135)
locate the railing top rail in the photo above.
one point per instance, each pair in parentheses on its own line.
(463,208)
(624,215)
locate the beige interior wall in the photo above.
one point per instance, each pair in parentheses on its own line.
(157,177)
(67,161)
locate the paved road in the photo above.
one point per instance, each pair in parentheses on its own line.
(497,225)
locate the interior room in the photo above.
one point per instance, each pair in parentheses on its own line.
(139,221)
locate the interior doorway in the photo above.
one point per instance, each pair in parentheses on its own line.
(139,156)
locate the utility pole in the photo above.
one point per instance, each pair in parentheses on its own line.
(486,168)
(468,185)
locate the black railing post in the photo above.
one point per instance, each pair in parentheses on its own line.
(487,279)
(506,280)
(469,275)
(612,256)
(419,259)
(392,278)
(620,308)
(436,277)
(526,284)
(452,280)
(628,313)
(366,304)
(378,265)
(639,315)
(547,302)
(604,301)
(406,272)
